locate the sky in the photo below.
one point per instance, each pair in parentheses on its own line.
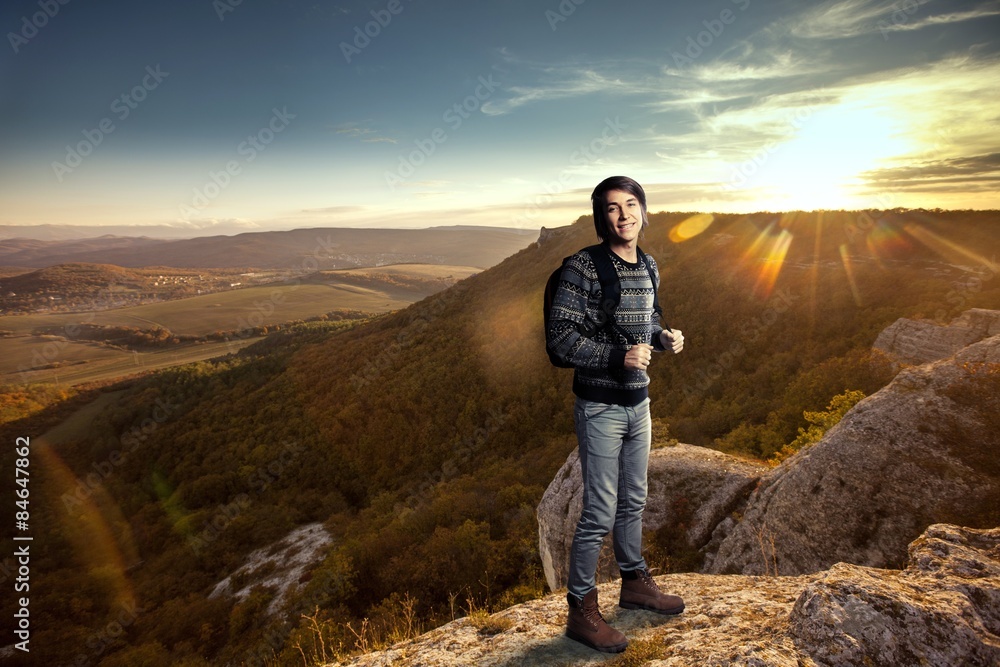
(238,115)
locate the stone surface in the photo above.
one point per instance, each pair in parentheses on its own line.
(695,486)
(912,342)
(924,449)
(278,566)
(942,610)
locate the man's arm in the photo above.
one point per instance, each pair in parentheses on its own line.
(569,309)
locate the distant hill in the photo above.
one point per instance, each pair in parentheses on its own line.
(47,252)
(298,250)
(64,278)
(75,232)
(81,286)
(424,439)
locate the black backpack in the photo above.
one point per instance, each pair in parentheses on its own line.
(611,289)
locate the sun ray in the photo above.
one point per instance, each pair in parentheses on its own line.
(773,262)
(845,258)
(946,247)
(751,253)
(813,277)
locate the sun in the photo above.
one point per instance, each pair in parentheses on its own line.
(821,165)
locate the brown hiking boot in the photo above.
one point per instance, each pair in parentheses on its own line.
(639,591)
(586,625)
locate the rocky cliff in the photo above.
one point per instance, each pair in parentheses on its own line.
(883,489)
(943,610)
(920,341)
(693,489)
(922,450)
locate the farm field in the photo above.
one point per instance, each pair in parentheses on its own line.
(75,363)
(200,315)
(386,288)
(34,351)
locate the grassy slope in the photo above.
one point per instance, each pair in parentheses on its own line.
(426,437)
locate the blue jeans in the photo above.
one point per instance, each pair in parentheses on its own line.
(614,456)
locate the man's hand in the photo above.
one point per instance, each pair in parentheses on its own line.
(673,341)
(638,357)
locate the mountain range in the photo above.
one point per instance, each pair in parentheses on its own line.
(319,248)
(423,440)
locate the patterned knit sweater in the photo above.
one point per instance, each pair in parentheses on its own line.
(599,361)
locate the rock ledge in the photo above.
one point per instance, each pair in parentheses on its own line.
(943,609)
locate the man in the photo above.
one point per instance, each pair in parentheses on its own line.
(612,409)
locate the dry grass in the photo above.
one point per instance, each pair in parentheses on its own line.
(488,624)
(638,653)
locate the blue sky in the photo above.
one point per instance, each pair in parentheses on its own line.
(276,114)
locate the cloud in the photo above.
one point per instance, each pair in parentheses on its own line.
(810,90)
(940,19)
(974,172)
(360,130)
(333,209)
(670,195)
(211,223)
(559,81)
(845,19)
(842,19)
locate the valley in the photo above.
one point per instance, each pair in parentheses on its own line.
(424,438)
(75,347)
(75,321)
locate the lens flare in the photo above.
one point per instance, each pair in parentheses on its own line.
(690,228)
(751,253)
(947,248)
(769,249)
(885,242)
(90,521)
(171,505)
(773,262)
(845,258)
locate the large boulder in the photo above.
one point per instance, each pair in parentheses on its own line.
(942,610)
(692,489)
(910,342)
(924,449)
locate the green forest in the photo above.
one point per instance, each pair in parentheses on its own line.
(423,439)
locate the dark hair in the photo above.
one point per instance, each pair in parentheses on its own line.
(598,199)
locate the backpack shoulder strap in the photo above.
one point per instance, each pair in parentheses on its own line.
(606,273)
(611,287)
(656,287)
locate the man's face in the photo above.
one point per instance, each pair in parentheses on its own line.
(624,217)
